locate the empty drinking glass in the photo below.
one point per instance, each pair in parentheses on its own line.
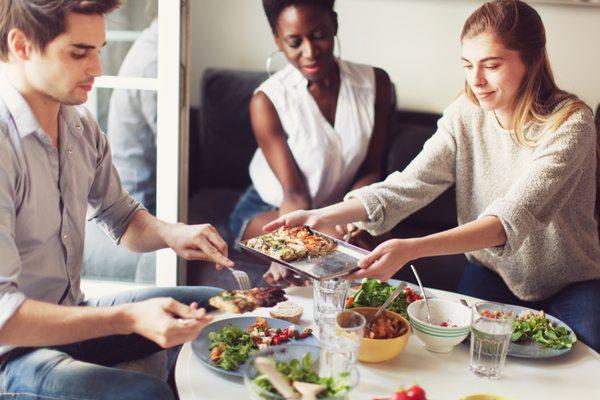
(329,295)
(491,328)
(340,334)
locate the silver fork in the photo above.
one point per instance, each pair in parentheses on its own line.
(242,279)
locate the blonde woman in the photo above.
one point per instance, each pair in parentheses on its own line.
(523,155)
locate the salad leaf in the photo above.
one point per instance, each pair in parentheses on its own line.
(235,345)
(537,327)
(304,370)
(373,293)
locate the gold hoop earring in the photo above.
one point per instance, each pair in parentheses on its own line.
(270,61)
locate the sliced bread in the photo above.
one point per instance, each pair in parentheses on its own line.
(287,311)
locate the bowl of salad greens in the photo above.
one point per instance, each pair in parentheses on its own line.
(373,293)
(298,363)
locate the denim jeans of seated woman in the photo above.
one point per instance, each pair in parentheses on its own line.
(248,207)
(577,305)
(85,370)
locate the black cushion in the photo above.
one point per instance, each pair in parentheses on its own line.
(225,139)
(413,129)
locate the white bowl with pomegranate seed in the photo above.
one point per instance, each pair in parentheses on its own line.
(449,325)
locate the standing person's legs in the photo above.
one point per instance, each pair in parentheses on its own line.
(482,283)
(51,374)
(578,305)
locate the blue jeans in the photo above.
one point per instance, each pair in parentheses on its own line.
(85,370)
(247,208)
(577,305)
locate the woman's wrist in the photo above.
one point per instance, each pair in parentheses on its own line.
(340,213)
(416,248)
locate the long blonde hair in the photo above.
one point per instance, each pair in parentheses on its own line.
(539,100)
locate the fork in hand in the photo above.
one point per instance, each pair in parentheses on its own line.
(241,278)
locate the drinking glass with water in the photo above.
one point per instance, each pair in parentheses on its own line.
(491,328)
(340,334)
(329,294)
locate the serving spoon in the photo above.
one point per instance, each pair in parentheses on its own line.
(386,303)
(428,316)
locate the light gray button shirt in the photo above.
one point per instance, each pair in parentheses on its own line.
(45,194)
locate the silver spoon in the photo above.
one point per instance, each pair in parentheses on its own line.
(428,316)
(385,305)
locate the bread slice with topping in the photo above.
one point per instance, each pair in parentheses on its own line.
(288,311)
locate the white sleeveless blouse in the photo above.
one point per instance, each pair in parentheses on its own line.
(328,156)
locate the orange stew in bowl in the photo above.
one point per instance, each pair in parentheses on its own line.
(385,328)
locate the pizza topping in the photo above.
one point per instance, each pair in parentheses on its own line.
(292,244)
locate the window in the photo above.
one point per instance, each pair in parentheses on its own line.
(141,105)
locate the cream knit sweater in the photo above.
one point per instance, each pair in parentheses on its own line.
(544,196)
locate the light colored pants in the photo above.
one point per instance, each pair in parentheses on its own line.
(85,370)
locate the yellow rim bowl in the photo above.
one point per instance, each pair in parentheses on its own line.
(380,350)
(484,397)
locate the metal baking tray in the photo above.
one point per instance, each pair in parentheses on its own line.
(338,263)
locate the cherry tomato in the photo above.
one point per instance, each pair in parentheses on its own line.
(349,301)
(415,393)
(400,396)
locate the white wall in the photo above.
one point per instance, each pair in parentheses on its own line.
(415,41)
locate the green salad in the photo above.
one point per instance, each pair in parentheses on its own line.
(230,347)
(537,327)
(373,293)
(304,370)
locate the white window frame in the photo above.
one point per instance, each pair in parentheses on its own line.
(172,117)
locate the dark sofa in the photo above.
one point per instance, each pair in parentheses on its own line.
(222,144)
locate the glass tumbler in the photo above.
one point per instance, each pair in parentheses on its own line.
(491,328)
(340,334)
(329,294)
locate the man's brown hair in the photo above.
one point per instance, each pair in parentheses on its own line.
(43,20)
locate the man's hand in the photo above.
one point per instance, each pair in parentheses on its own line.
(199,242)
(385,260)
(159,320)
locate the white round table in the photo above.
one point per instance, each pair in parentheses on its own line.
(575,375)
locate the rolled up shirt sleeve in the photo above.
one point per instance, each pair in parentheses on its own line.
(540,192)
(110,205)
(10,262)
(403,193)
